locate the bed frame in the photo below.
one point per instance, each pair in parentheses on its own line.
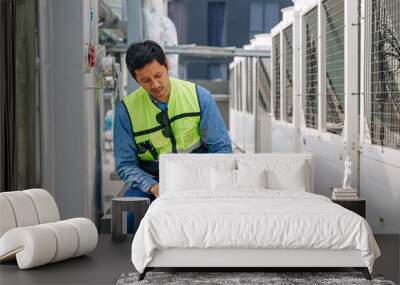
(245,258)
(242,259)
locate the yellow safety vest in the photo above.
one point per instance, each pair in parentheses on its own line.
(156,131)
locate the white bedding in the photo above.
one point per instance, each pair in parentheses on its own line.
(250,218)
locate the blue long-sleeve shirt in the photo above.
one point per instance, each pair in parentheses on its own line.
(212,130)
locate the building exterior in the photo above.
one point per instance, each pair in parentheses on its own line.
(220,23)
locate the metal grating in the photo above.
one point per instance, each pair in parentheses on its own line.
(383,72)
(288,44)
(239,87)
(277,76)
(248,78)
(252,75)
(231,88)
(334,36)
(264,85)
(311,72)
(249,83)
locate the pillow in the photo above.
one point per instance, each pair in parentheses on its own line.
(183,177)
(229,179)
(282,174)
(292,178)
(223,179)
(251,178)
(193,173)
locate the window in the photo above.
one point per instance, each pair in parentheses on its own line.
(216,24)
(276,45)
(217,71)
(334,36)
(311,72)
(383,72)
(288,40)
(263,17)
(271,15)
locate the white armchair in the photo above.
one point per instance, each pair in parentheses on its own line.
(31,230)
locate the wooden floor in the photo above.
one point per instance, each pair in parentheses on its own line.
(111,259)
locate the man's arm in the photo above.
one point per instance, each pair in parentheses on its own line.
(125,154)
(212,127)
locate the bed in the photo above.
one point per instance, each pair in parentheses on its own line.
(248,210)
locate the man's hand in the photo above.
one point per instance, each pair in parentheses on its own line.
(155,190)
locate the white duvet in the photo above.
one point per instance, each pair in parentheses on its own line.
(251,218)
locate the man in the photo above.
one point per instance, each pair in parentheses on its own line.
(165,115)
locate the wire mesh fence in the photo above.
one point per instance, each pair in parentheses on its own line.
(264,85)
(288,50)
(334,37)
(276,45)
(382,84)
(311,68)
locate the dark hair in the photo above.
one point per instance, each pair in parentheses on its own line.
(142,53)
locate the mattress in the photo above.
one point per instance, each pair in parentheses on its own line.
(250,219)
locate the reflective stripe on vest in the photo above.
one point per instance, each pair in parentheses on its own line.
(156,131)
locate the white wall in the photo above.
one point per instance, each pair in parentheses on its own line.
(380,185)
(282,137)
(70,127)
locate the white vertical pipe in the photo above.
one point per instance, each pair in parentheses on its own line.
(363,67)
(296,65)
(351,130)
(302,67)
(273,86)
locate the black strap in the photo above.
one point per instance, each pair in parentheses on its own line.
(184,115)
(148,131)
(160,127)
(173,141)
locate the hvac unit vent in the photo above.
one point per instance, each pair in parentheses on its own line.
(239,89)
(277,76)
(311,68)
(249,85)
(264,85)
(232,88)
(334,10)
(252,79)
(383,72)
(288,50)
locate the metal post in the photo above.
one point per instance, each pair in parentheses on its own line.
(296,80)
(135,33)
(351,131)
(321,68)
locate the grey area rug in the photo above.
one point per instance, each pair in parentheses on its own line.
(229,278)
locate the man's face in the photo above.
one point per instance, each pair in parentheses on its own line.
(153,77)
